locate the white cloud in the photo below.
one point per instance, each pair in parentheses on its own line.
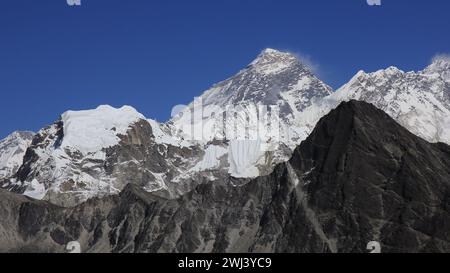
(309,62)
(322,72)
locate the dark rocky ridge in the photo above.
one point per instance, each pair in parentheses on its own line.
(359,177)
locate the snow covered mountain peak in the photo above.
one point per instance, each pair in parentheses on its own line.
(272,51)
(270,54)
(363,82)
(417,100)
(90,131)
(387,73)
(272,61)
(273,78)
(390,71)
(236,110)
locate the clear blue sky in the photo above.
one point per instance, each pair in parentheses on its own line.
(154,54)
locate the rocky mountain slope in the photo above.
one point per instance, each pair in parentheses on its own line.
(12,151)
(358,177)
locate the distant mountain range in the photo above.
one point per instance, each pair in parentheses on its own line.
(318,169)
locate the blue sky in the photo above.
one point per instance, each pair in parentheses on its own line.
(154,54)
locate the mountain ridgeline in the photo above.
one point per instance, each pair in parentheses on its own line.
(96,153)
(364,163)
(358,177)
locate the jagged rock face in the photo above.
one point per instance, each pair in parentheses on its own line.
(12,151)
(359,177)
(368,178)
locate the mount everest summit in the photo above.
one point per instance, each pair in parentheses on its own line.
(97,153)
